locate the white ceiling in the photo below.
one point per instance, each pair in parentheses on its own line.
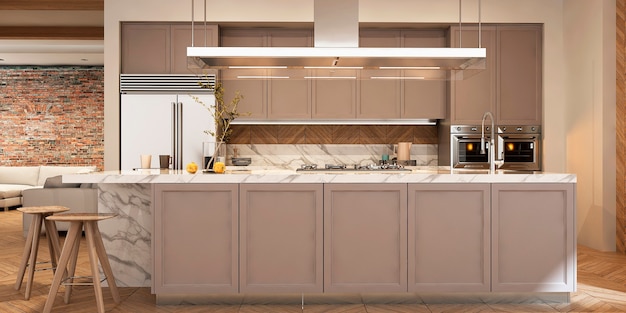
(51,52)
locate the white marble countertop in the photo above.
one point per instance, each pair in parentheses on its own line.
(280,175)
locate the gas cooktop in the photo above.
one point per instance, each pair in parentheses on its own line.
(352,168)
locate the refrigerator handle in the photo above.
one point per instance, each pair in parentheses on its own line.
(174,137)
(179,139)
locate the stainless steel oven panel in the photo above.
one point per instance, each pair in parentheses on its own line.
(520,147)
(464,137)
(466,152)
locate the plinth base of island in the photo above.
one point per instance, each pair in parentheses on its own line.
(396,298)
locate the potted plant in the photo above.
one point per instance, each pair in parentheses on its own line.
(223,114)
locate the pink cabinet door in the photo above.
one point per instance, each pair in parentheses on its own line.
(281,238)
(519,75)
(146,48)
(470,98)
(365,238)
(181,39)
(534,246)
(449,238)
(195,238)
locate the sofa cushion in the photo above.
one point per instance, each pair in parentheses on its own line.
(50,171)
(19,175)
(4,194)
(7,187)
(56,182)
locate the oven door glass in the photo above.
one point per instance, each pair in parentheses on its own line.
(469,151)
(519,151)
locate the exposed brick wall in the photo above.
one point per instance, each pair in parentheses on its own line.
(51,115)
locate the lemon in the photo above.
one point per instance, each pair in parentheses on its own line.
(192,167)
(219,167)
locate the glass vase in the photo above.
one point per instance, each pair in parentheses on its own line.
(213,152)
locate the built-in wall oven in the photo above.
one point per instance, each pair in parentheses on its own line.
(518,146)
(465,147)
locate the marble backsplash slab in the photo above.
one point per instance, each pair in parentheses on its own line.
(291,156)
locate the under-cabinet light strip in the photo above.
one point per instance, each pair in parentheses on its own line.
(258,67)
(262,77)
(409,67)
(334,67)
(329,77)
(396,77)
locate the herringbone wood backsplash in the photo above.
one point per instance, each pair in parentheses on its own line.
(332,134)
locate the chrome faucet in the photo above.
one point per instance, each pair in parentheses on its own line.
(492,145)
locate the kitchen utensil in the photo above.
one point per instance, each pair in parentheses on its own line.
(404,151)
(165,161)
(146,160)
(241,161)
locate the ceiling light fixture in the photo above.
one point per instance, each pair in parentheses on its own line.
(336,44)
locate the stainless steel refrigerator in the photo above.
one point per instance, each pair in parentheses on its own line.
(159,116)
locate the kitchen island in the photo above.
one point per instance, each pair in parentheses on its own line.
(278,231)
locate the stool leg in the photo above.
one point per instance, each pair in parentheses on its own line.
(72,236)
(53,241)
(106,265)
(25,255)
(71,270)
(32,262)
(93,260)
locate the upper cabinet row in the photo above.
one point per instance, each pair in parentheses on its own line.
(161,48)
(333,94)
(510,86)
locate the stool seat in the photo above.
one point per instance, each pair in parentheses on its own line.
(72,217)
(29,257)
(43,209)
(69,255)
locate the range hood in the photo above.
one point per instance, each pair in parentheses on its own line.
(336,37)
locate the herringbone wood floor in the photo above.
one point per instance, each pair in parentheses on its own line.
(601,288)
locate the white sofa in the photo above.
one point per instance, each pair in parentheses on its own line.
(41,185)
(15,179)
(82,199)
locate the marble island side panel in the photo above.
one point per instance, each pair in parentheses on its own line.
(128,237)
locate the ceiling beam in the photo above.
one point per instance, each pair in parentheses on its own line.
(52,5)
(43,32)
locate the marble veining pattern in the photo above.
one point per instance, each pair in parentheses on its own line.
(292,156)
(127,238)
(278,175)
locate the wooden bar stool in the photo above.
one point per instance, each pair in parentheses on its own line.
(29,257)
(70,253)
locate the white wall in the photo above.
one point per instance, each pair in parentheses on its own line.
(590,117)
(568,118)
